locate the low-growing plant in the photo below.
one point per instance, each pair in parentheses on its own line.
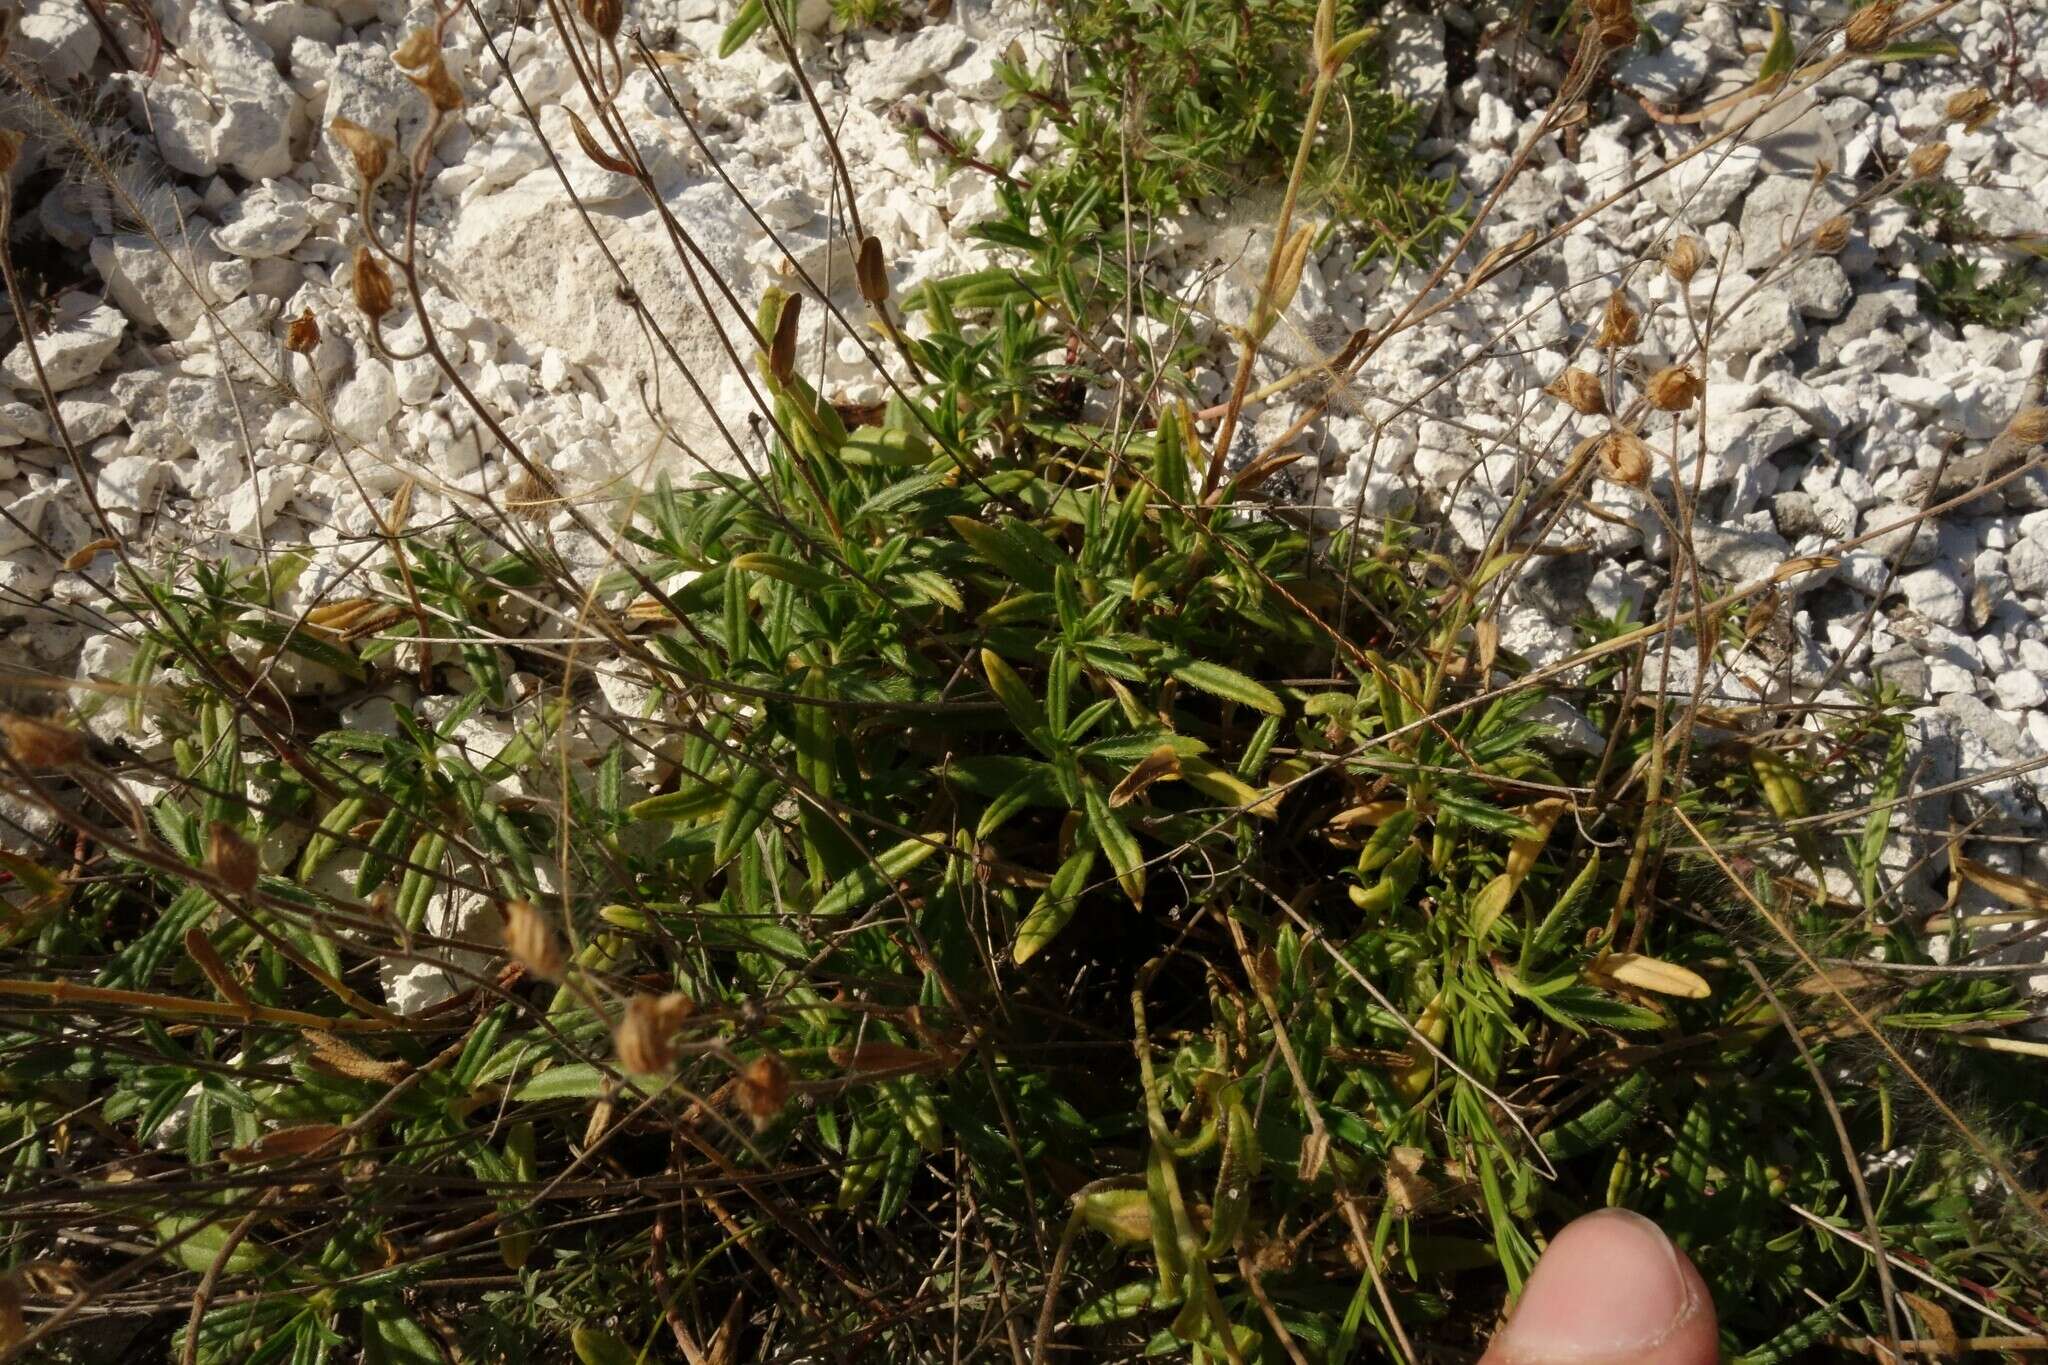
(991,880)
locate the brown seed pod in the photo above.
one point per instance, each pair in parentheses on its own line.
(1926,162)
(1620,324)
(645,1037)
(371,152)
(532,941)
(869,271)
(1870,27)
(602,15)
(420,57)
(2029,426)
(36,743)
(1673,389)
(1624,459)
(88,552)
(10,149)
(303,336)
(371,284)
(764,1088)
(1832,235)
(1684,259)
(1970,108)
(1579,390)
(232,858)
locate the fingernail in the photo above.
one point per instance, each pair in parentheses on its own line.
(1610,1285)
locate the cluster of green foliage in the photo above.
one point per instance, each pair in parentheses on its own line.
(1068,843)
(1952,283)
(1163,102)
(1167,101)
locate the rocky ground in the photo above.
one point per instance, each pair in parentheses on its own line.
(185,217)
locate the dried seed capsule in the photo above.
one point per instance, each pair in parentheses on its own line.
(603,16)
(420,57)
(371,285)
(1673,389)
(1624,459)
(1970,108)
(645,1037)
(35,743)
(1869,28)
(1580,390)
(872,275)
(10,149)
(764,1088)
(1831,236)
(1684,259)
(303,336)
(1926,162)
(2029,425)
(532,941)
(1620,324)
(371,152)
(232,858)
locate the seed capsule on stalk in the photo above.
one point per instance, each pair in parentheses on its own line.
(1620,324)
(1672,389)
(1684,259)
(1624,459)
(371,284)
(1579,390)
(1926,162)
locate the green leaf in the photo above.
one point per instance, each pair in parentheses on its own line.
(1778,58)
(1017,699)
(1223,682)
(750,19)
(570,1081)
(198,1252)
(596,1347)
(791,571)
(873,878)
(1117,842)
(754,794)
(1055,908)
(394,1337)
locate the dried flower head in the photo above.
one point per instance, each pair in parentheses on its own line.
(764,1088)
(1624,459)
(1869,28)
(371,284)
(1614,21)
(10,149)
(1926,162)
(420,57)
(35,743)
(1620,324)
(1580,390)
(371,152)
(532,941)
(302,337)
(1970,108)
(1673,389)
(1832,235)
(2029,426)
(645,1037)
(602,15)
(1684,259)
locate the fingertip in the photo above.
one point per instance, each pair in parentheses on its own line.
(1610,1288)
